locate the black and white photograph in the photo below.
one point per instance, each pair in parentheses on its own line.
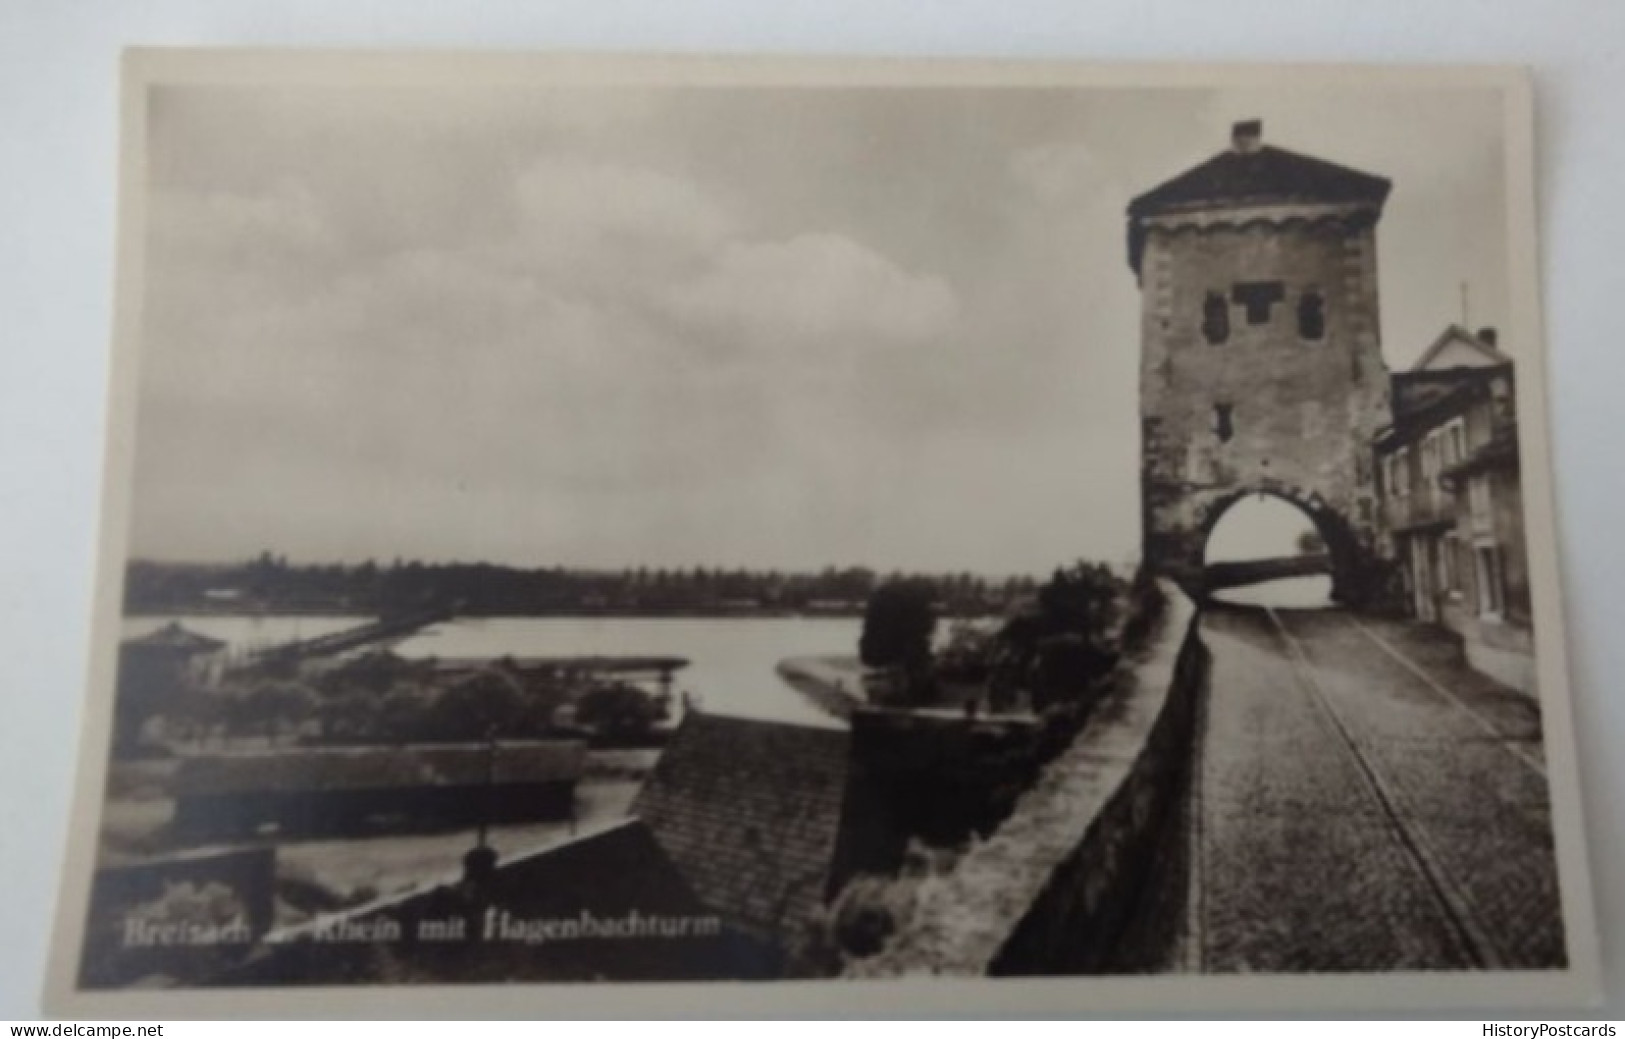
(574,522)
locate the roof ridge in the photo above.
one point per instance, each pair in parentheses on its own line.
(1457,331)
(1356,184)
(1255,175)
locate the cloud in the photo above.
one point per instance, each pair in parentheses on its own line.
(563,362)
(279,234)
(1058,172)
(819,287)
(582,205)
(287,215)
(637,239)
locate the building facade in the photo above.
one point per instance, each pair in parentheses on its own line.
(1452,502)
(154,671)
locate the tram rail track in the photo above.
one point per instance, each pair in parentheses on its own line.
(1358,799)
(1456,907)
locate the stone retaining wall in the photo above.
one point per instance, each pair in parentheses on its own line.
(1051,890)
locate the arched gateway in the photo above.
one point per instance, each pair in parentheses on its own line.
(1261,370)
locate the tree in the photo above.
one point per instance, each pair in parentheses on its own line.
(271,705)
(1081,600)
(1064,642)
(485,703)
(402,715)
(350,716)
(969,654)
(376,672)
(618,712)
(897,627)
(1066,665)
(197,712)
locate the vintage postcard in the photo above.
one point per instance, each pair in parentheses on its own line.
(914,537)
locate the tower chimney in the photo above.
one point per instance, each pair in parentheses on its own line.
(1247,135)
(1488,337)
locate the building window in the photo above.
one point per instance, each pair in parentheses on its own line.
(1258,297)
(1490,593)
(1449,556)
(1215,318)
(1478,498)
(1222,426)
(1430,465)
(1401,476)
(1312,316)
(1455,439)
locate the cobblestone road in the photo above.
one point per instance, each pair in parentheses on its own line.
(1362,801)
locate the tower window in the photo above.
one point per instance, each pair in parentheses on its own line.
(1215,318)
(1222,425)
(1312,316)
(1258,297)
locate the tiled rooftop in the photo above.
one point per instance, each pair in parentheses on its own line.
(749,812)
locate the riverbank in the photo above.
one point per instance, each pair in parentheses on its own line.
(834,684)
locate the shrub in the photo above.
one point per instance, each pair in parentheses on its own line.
(618,712)
(897,625)
(1146,605)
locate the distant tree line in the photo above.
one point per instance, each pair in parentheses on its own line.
(271,584)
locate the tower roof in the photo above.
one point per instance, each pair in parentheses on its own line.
(1251,173)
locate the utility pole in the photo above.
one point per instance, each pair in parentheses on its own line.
(480,861)
(490,787)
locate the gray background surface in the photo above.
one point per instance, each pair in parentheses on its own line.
(58,65)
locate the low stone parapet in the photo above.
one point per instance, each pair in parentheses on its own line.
(1051,889)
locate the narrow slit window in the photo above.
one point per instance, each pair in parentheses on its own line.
(1215,318)
(1312,316)
(1223,426)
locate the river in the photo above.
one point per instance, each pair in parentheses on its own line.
(732,659)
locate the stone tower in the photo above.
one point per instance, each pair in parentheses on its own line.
(1261,369)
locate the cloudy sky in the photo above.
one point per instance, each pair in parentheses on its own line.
(771,327)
